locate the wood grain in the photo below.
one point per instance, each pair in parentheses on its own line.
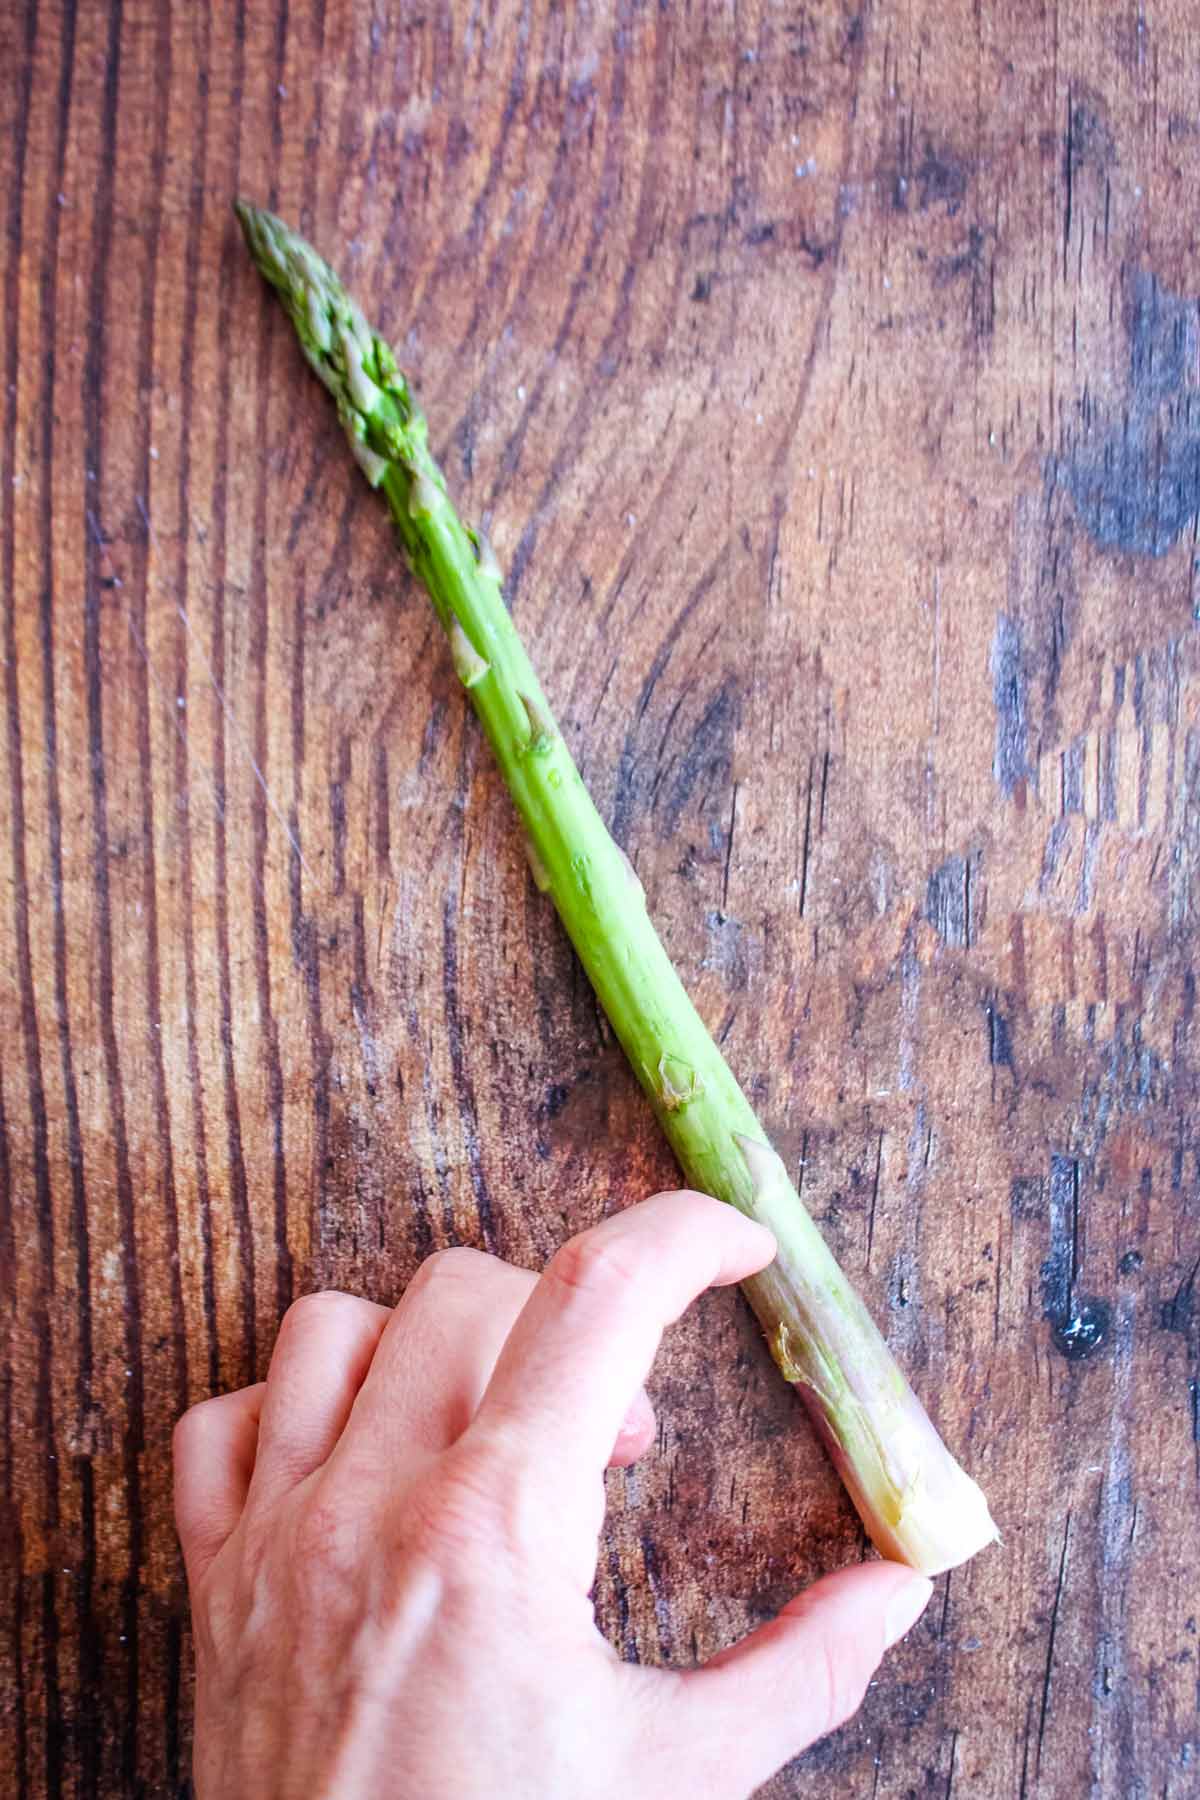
(827,380)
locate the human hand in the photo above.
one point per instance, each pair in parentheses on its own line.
(390,1545)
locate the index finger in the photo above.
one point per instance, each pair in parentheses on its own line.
(588,1333)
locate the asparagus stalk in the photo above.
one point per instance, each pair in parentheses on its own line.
(917,1504)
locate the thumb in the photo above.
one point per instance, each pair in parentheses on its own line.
(761,1702)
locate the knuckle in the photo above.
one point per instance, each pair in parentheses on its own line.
(313,1312)
(592,1263)
(457,1265)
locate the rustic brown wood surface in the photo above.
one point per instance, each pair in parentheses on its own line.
(829,381)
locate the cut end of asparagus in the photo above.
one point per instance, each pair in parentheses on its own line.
(923,1508)
(917,1504)
(943,1525)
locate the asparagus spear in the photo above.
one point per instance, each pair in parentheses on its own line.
(916,1503)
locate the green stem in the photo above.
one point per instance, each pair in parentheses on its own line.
(915,1501)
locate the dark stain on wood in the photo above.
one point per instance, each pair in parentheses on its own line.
(950,905)
(1135,478)
(1010,757)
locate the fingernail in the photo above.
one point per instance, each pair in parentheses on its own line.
(905,1608)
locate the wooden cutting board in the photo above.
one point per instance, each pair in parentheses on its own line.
(827,380)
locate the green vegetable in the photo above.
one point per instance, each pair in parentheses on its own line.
(916,1503)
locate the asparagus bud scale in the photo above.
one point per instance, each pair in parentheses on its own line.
(917,1504)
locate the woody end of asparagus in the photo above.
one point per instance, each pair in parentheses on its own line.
(917,1504)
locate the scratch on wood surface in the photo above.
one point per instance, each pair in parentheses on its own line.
(874,1196)
(1060,1588)
(877,1771)
(952,1770)
(945,1605)
(807,840)
(729,847)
